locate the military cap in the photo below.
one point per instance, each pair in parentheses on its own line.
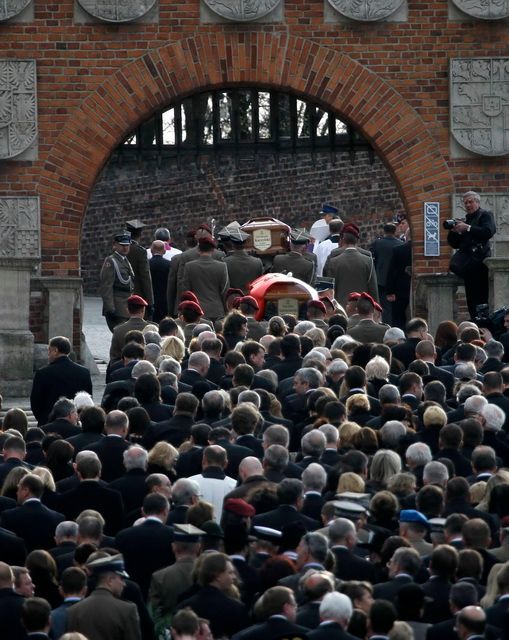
(353,296)
(268,534)
(123,238)
(190,306)
(189,295)
(187,533)
(113,564)
(137,300)
(366,296)
(207,242)
(358,498)
(200,328)
(317,304)
(239,507)
(250,302)
(134,225)
(329,210)
(212,529)
(437,525)
(299,236)
(233,292)
(413,516)
(204,227)
(348,510)
(223,234)
(352,228)
(237,236)
(377,306)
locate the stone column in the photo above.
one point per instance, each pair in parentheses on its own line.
(439,293)
(62,296)
(499,282)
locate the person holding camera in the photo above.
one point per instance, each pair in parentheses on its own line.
(471,239)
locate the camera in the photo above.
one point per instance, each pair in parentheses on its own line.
(450,224)
(492,321)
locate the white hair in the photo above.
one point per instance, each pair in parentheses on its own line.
(314,477)
(336,606)
(170,365)
(152,352)
(494,417)
(419,453)
(435,473)
(136,457)
(340,341)
(392,432)
(141,367)
(394,334)
(472,194)
(330,432)
(377,367)
(303,326)
(83,399)
(337,366)
(474,404)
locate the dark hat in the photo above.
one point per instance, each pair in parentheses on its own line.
(352,228)
(212,529)
(250,302)
(413,516)
(187,533)
(190,306)
(223,234)
(122,238)
(437,525)
(299,236)
(188,295)
(134,225)
(317,304)
(137,300)
(348,510)
(268,534)
(239,507)
(231,292)
(206,243)
(291,535)
(412,596)
(237,236)
(329,210)
(113,564)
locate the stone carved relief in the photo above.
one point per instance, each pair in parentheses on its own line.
(242,10)
(498,204)
(19,227)
(366,10)
(117,10)
(479,89)
(11,8)
(484,9)
(18,110)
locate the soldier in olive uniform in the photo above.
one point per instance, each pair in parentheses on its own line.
(139,262)
(295,261)
(242,268)
(116,281)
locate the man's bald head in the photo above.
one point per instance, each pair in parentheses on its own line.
(6,576)
(157,248)
(471,621)
(250,466)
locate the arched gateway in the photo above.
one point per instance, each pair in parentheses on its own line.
(160,76)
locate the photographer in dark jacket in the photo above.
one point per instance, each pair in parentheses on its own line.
(471,238)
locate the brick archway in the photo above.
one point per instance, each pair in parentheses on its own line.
(160,76)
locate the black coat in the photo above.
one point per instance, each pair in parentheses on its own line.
(34,523)
(274,628)
(445,631)
(131,487)
(174,430)
(84,440)
(462,466)
(330,631)
(284,515)
(498,612)
(405,351)
(90,494)
(445,377)
(63,427)
(438,609)
(8,465)
(159,271)
(312,506)
(110,451)
(11,605)
(12,549)
(63,377)
(251,442)
(389,590)
(189,462)
(352,567)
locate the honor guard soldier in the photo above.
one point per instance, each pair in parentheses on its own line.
(116,281)
(295,262)
(139,262)
(242,268)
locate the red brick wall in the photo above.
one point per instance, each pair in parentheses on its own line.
(96,82)
(179,198)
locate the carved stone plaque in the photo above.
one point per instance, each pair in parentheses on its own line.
(19,227)
(479,89)
(18,111)
(117,10)
(242,10)
(498,204)
(484,9)
(11,8)
(366,10)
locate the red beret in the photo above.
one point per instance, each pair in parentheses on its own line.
(366,296)
(189,295)
(352,228)
(354,295)
(231,292)
(207,242)
(205,227)
(239,507)
(137,300)
(250,301)
(317,304)
(378,307)
(190,306)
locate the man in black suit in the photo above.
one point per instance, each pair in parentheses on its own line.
(110,449)
(159,271)
(11,605)
(311,555)
(147,547)
(399,280)
(65,419)
(280,608)
(335,613)
(197,369)
(425,351)
(314,479)
(416,330)
(403,567)
(462,595)
(495,352)
(92,427)
(14,452)
(493,388)
(295,405)
(449,443)
(292,361)
(32,521)
(131,485)
(289,494)
(90,494)
(458,501)
(411,389)
(471,623)
(177,428)
(62,377)
(12,548)
(235,452)
(343,540)
(442,567)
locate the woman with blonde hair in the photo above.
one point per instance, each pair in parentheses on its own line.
(385,464)
(402,485)
(10,485)
(174,347)
(47,478)
(347,432)
(501,477)
(277,327)
(493,591)
(358,408)
(162,458)
(350,482)
(317,337)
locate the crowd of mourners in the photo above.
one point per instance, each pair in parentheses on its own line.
(261,480)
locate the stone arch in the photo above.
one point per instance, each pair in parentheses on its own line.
(206,61)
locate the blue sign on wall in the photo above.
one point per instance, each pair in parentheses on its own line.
(431,228)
